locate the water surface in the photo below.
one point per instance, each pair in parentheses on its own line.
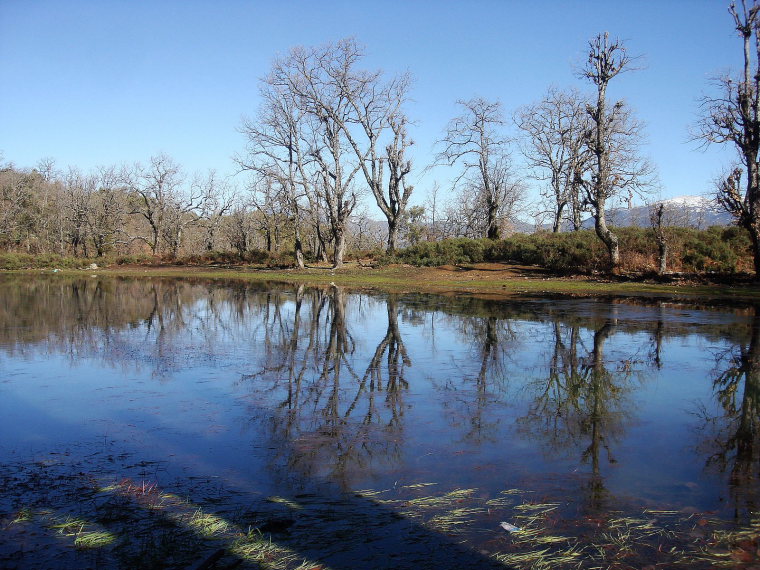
(344,410)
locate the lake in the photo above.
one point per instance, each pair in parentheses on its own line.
(176,423)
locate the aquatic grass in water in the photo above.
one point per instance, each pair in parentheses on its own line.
(282,501)
(255,547)
(547,540)
(250,545)
(207,524)
(94,539)
(85,533)
(23,515)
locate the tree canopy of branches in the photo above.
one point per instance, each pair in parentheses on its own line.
(612,140)
(277,154)
(324,120)
(475,141)
(555,130)
(158,194)
(733,116)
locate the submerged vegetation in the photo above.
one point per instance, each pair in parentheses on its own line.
(136,524)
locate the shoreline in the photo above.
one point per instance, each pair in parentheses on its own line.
(485,279)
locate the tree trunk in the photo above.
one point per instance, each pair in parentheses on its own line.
(321,245)
(392,236)
(210,240)
(154,245)
(298,247)
(340,247)
(662,247)
(493,223)
(609,239)
(558,218)
(576,205)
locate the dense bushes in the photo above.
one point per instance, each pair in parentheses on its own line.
(717,249)
(445,252)
(46,260)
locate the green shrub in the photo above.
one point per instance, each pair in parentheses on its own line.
(716,249)
(11,261)
(445,252)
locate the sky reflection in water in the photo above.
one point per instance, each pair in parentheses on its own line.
(287,389)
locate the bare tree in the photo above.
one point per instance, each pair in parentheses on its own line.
(659,225)
(324,120)
(555,129)
(308,74)
(277,149)
(475,141)
(363,106)
(152,190)
(399,192)
(19,217)
(159,198)
(270,202)
(77,196)
(733,116)
(105,217)
(433,207)
(239,228)
(612,140)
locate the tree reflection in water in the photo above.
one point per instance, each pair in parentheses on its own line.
(490,341)
(732,439)
(582,406)
(333,418)
(344,385)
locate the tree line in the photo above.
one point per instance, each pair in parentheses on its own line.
(328,130)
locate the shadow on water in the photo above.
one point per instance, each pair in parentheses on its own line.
(319,416)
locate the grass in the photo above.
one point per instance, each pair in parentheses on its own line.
(506,282)
(94,539)
(247,544)
(255,547)
(286,502)
(178,532)
(548,539)
(207,525)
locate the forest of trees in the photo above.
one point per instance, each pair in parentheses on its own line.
(330,132)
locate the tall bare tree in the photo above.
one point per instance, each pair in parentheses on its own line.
(475,141)
(377,108)
(399,191)
(277,150)
(613,140)
(733,116)
(219,198)
(308,74)
(555,130)
(78,190)
(105,219)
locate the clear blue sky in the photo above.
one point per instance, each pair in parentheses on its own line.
(105,82)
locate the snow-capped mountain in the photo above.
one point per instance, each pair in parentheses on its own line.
(691,211)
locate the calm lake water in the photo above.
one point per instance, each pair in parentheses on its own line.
(324,417)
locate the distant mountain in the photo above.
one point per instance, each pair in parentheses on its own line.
(689,211)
